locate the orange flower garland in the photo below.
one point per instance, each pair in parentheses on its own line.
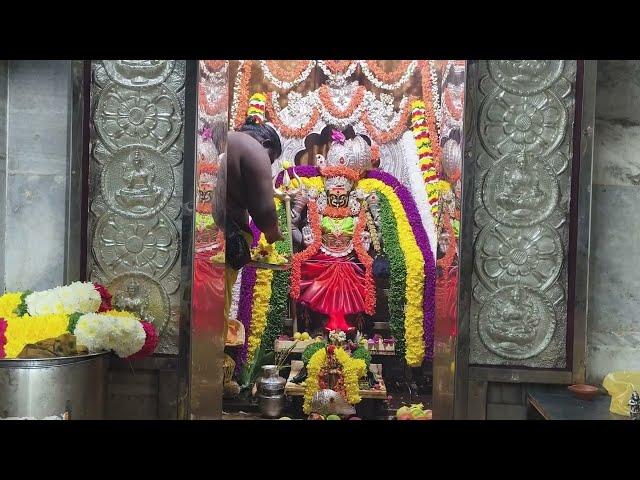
(296,67)
(340,171)
(356,100)
(388,77)
(382,137)
(285,130)
(338,66)
(243,94)
(301,257)
(337,212)
(211,108)
(367,261)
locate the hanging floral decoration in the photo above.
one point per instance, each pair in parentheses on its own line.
(286,79)
(303,256)
(367,261)
(429,93)
(382,137)
(286,130)
(388,80)
(256,108)
(420,130)
(240,102)
(325,98)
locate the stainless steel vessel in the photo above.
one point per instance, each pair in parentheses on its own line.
(271,394)
(47,387)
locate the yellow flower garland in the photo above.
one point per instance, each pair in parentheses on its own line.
(352,370)
(8,303)
(261,297)
(414,317)
(27,329)
(316,362)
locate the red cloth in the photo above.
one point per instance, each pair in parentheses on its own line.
(333,286)
(208,293)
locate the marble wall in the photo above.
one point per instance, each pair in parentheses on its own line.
(34,119)
(613,333)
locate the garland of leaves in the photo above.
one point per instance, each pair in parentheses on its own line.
(310,350)
(398,273)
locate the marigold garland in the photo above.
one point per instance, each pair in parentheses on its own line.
(382,137)
(257,107)
(336,212)
(340,171)
(430,114)
(27,329)
(421,134)
(9,302)
(287,131)
(316,362)
(327,102)
(337,66)
(242,94)
(294,69)
(261,297)
(301,257)
(367,261)
(388,77)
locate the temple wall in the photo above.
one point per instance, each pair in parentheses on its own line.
(614,302)
(34,104)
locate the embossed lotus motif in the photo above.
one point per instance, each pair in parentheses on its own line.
(142,245)
(150,117)
(533,124)
(530,256)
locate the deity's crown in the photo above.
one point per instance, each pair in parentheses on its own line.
(354,154)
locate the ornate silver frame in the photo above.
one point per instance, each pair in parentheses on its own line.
(460,390)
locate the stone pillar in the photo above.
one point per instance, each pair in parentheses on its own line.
(34,132)
(613,329)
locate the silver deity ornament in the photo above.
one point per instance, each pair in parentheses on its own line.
(330,402)
(271,396)
(634,406)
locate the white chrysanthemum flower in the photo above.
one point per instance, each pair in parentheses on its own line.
(123,335)
(77,297)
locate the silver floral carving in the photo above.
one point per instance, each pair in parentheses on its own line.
(516,322)
(150,117)
(530,256)
(510,123)
(525,77)
(138,73)
(520,190)
(123,244)
(137,182)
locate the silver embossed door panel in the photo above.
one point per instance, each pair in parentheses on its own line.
(524,133)
(135,188)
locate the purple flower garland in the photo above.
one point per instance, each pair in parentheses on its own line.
(422,240)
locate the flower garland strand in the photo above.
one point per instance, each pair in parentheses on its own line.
(299,77)
(398,273)
(338,71)
(354,103)
(388,80)
(367,261)
(428,95)
(240,102)
(301,257)
(420,130)
(257,107)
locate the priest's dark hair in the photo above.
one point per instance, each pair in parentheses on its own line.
(265,134)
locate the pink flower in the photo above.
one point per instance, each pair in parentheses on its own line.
(207,133)
(150,343)
(3,338)
(105,306)
(337,136)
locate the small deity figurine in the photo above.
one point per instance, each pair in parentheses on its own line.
(337,279)
(134,301)
(522,192)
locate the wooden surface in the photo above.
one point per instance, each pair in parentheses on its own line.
(294,390)
(560,404)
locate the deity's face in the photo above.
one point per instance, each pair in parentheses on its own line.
(132,289)
(338,190)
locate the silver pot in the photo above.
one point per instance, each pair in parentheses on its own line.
(271,395)
(51,387)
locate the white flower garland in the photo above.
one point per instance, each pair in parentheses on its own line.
(338,79)
(435,96)
(235,296)
(122,335)
(388,86)
(286,85)
(78,297)
(418,191)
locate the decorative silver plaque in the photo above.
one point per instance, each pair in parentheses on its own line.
(135,188)
(523,132)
